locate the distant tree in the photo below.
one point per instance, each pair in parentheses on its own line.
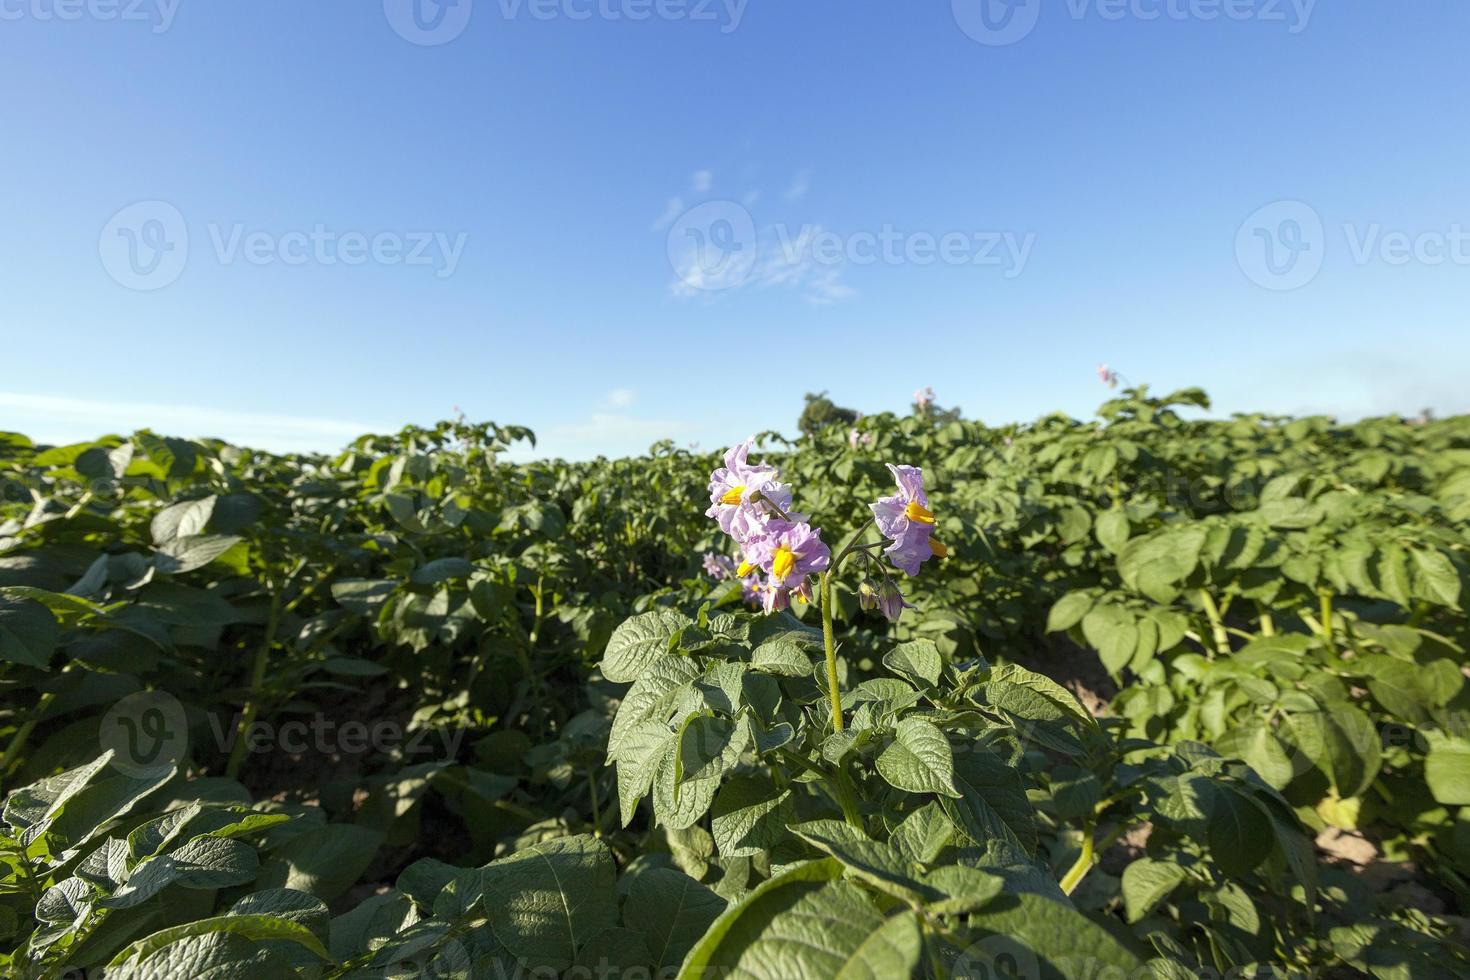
(820,412)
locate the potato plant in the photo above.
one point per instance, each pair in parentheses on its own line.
(417,711)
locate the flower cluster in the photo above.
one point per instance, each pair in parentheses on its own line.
(1107,376)
(923,398)
(780,550)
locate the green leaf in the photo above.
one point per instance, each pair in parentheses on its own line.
(803,923)
(1257,746)
(1064,942)
(688,778)
(256,927)
(182,520)
(638,642)
(917,660)
(785,654)
(923,834)
(991,803)
(919,760)
(965,889)
(672,911)
(186,554)
(28,633)
(1447,770)
(1068,611)
(549,899)
(1112,633)
(442,570)
(324,861)
(1435,578)
(1147,882)
(1343,743)
(881,865)
(363,596)
(751,816)
(1112,530)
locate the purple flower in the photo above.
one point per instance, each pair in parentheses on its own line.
(924,397)
(856,439)
(788,552)
(774,598)
(719,567)
(891,602)
(751,591)
(906,520)
(1106,376)
(733,492)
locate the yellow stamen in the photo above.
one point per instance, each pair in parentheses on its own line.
(916,511)
(745,569)
(940,551)
(783,562)
(733,495)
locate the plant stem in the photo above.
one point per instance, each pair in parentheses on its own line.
(1079,869)
(830,646)
(1324,602)
(1217,626)
(829,643)
(22,734)
(252,701)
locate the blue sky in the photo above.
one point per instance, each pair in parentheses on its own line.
(1266,198)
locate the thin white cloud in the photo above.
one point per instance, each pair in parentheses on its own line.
(621,397)
(702,181)
(60,420)
(783,258)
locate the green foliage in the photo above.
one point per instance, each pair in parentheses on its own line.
(575,751)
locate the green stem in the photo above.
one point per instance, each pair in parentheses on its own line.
(1324,602)
(252,697)
(1217,625)
(1268,625)
(830,645)
(22,734)
(1083,864)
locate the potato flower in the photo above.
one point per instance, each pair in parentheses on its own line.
(741,494)
(905,519)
